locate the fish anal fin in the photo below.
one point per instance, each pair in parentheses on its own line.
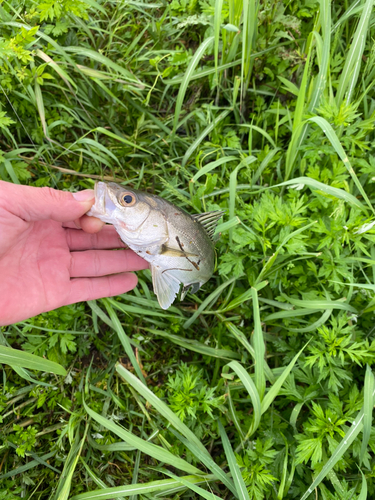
(166,287)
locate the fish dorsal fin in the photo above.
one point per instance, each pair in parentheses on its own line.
(166,287)
(209,221)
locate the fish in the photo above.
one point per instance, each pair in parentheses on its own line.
(178,246)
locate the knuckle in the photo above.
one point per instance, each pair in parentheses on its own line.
(96,263)
(109,286)
(51,194)
(94,243)
(68,236)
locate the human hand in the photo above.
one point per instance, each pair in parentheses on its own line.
(50,255)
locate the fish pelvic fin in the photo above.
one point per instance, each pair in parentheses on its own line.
(166,287)
(209,221)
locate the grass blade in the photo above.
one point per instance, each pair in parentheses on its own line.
(249,32)
(322,304)
(100,313)
(332,191)
(239,483)
(240,336)
(262,132)
(137,489)
(28,466)
(210,166)
(200,491)
(23,373)
(176,80)
(142,309)
(224,226)
(363,493)
(40,105)
(65,480)
(252,390)
(368,405)
(109,447)
(153,450)
(233,188)
(160,406)
(365,286)
(102,59)
(321,80)
(52,64)
(244,297)
(275,389)
(124,339)
(9,168)
(314,326)
(332,137)
(186,80)
(15,357)
(202,135)
(353,59)
(92,475)
(259,347)
(108,133)
(194,345)
(217,25)
(207,461)
(290,314)
(207,301)
(300,128)
(300,104)
(263,165)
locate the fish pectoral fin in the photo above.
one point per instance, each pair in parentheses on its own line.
(166,287)
(174,252)
(192,288)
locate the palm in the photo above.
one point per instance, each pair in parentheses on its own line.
(45,264)
(36,270)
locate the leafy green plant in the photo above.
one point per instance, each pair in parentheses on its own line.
(192,399)
(257,477)
(256,386)
(25,439)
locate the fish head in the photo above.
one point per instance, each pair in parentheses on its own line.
(117,204)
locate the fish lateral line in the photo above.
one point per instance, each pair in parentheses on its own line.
(175,269)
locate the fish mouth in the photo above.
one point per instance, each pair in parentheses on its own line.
(104,206)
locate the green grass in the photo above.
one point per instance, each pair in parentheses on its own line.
(259,386)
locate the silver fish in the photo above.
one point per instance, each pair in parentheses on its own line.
(178,246)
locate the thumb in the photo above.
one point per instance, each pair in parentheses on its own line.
(32,203)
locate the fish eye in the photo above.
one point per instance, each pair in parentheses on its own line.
(127,199)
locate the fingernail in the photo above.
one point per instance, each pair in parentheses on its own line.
(85,195)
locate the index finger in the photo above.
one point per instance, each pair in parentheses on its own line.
(41,203)
(105,239)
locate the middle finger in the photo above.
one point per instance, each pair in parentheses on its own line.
(103,262)
(104,239)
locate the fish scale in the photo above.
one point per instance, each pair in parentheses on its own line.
(178,246)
